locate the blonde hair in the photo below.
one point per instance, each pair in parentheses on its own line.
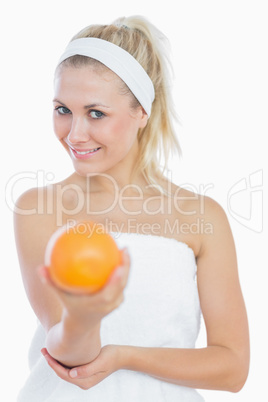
(149,46)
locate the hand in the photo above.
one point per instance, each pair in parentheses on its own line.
(88,375)
(88,309)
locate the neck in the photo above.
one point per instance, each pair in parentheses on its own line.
(113,182)
(110,183)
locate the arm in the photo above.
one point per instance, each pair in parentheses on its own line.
(71,322)
(223,364)
(72,344)
(75,339)
(213,367)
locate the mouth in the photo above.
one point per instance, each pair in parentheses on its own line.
(84,154)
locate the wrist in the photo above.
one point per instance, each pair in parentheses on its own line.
(126,357)
(75,323)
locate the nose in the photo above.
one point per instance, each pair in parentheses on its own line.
(79,131)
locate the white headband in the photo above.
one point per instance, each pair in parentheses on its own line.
(120,62)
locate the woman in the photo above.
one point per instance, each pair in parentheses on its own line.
(134,339)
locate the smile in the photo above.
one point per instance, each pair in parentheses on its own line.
(84,154)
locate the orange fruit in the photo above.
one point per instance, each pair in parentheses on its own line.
(81,258)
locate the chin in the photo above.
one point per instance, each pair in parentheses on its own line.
(84,172)
(87,171)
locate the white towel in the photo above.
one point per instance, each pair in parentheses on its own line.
(161,309)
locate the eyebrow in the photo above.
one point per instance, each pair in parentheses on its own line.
(86,106)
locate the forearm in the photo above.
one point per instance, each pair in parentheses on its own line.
(214,367)
(72,344)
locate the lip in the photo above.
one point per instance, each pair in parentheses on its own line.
(85,156)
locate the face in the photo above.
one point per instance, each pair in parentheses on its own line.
(93,121)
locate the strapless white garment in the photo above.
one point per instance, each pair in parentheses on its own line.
(161,309)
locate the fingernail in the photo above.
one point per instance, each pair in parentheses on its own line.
(44,352)
(119,272)
(73,373)
(40,270)
(45,356)
(125,250)
(43,280)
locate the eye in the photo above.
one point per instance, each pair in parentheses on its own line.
(96,114)
(63,110)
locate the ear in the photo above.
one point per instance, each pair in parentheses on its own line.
(143,118)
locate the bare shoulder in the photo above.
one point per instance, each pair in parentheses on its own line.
(36,203)
(215,215)
(196,204)
(215,231)
(45,202)
(33,224)
(33,200)
(26,199)
(38,212)
(203,222)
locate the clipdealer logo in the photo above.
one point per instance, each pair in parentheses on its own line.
(245,201)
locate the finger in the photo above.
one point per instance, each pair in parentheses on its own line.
(43,273)
(125,257)
(81,373)
(121,273)
(85,371)
(64,373)
(112,292)
(45,277)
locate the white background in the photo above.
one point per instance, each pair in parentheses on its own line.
(219,53)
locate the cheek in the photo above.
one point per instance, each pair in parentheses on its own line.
(125,132)
(61,128)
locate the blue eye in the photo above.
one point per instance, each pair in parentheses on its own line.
(62,110)
(96,114)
